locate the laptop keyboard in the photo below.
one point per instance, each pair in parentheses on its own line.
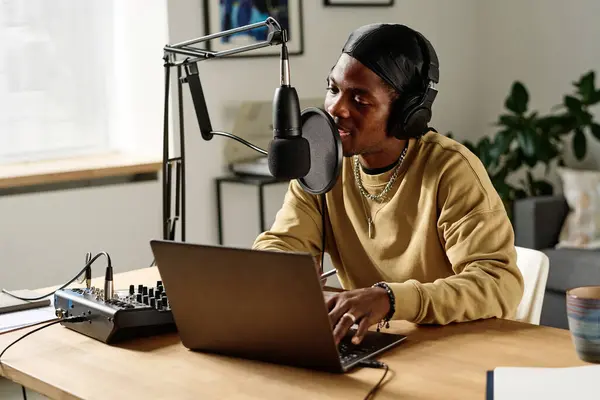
(350,352)
(371,343)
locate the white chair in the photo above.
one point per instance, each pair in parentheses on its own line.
(534,266)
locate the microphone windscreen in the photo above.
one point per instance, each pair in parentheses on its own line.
(326,154)
(289,158)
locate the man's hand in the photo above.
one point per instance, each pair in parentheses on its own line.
(363,306)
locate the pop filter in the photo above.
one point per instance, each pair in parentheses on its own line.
(321,132)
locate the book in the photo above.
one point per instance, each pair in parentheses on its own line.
(10,304)
(516,383)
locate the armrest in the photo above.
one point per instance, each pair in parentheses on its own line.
(538,221)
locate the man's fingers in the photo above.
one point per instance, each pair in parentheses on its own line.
(363,327)
(331,302)
(343,325)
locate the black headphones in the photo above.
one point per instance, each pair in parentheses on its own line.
(409,116)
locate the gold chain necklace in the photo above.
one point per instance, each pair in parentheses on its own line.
(381,196)
(378,197)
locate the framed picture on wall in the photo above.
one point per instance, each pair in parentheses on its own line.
(362,3)
(222,15)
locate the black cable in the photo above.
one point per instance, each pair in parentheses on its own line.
(66,284)
(323,212)
(68,319)
(24,392)
(375,364)
(88,256)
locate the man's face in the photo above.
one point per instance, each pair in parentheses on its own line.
(359,101)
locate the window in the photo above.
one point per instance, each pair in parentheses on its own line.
(70,79)
(55,63)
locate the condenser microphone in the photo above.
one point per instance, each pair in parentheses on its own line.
(289,152)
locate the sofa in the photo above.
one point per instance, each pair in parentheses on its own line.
(537,223)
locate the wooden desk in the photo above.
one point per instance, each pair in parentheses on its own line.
(434,362)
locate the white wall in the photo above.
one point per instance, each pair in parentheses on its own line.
(546,44)
(44,237)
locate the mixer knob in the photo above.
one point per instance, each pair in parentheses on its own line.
(131,289)
(140,287)
(139,297)
(165,301)
(151,292)
(152,302)
(145,290)
(158,283)
(159,304)
(145,299)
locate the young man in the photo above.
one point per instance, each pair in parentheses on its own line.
(414,226)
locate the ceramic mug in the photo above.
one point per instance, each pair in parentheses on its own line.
(583,313)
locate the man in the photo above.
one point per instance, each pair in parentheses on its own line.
(414,226)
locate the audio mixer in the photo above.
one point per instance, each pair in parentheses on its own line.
(137,312)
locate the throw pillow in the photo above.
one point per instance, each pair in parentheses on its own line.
(581,228)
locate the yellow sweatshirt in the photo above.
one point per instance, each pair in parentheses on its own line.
(442,240)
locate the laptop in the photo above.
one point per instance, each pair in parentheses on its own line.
(256,304)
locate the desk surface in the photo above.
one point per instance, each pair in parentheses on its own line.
(434,362)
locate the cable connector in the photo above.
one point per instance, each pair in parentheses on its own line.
(80,318)
(372,364)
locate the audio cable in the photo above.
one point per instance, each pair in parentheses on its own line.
(88,274)
(375,364)
(68,319)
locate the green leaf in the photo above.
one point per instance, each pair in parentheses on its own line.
(595,98)
(585,87)
(579,144)
(556,124)
(543,188)
(503,189)
(545,150)
(520,194)
(527,142)
(518,98)
(470,146)
(595,128)
(483,152)
(573,104)
(514,161)
(509,121)
(503,140)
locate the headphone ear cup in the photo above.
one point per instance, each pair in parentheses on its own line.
(399,115)
(416,122)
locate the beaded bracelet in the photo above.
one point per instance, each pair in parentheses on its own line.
(386,320)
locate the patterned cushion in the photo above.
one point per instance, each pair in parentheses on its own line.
(581,228)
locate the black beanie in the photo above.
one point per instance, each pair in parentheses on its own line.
(385,49)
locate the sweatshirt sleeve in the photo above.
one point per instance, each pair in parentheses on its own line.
(479,242)
(297,225)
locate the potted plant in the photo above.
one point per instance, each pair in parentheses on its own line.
(526,138)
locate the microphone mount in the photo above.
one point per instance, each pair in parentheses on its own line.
(185,57)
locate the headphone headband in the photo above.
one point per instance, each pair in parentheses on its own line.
(431,59)
(415,112)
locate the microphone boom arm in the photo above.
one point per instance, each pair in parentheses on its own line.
(192,55)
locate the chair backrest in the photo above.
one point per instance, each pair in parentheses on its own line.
(534,266)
